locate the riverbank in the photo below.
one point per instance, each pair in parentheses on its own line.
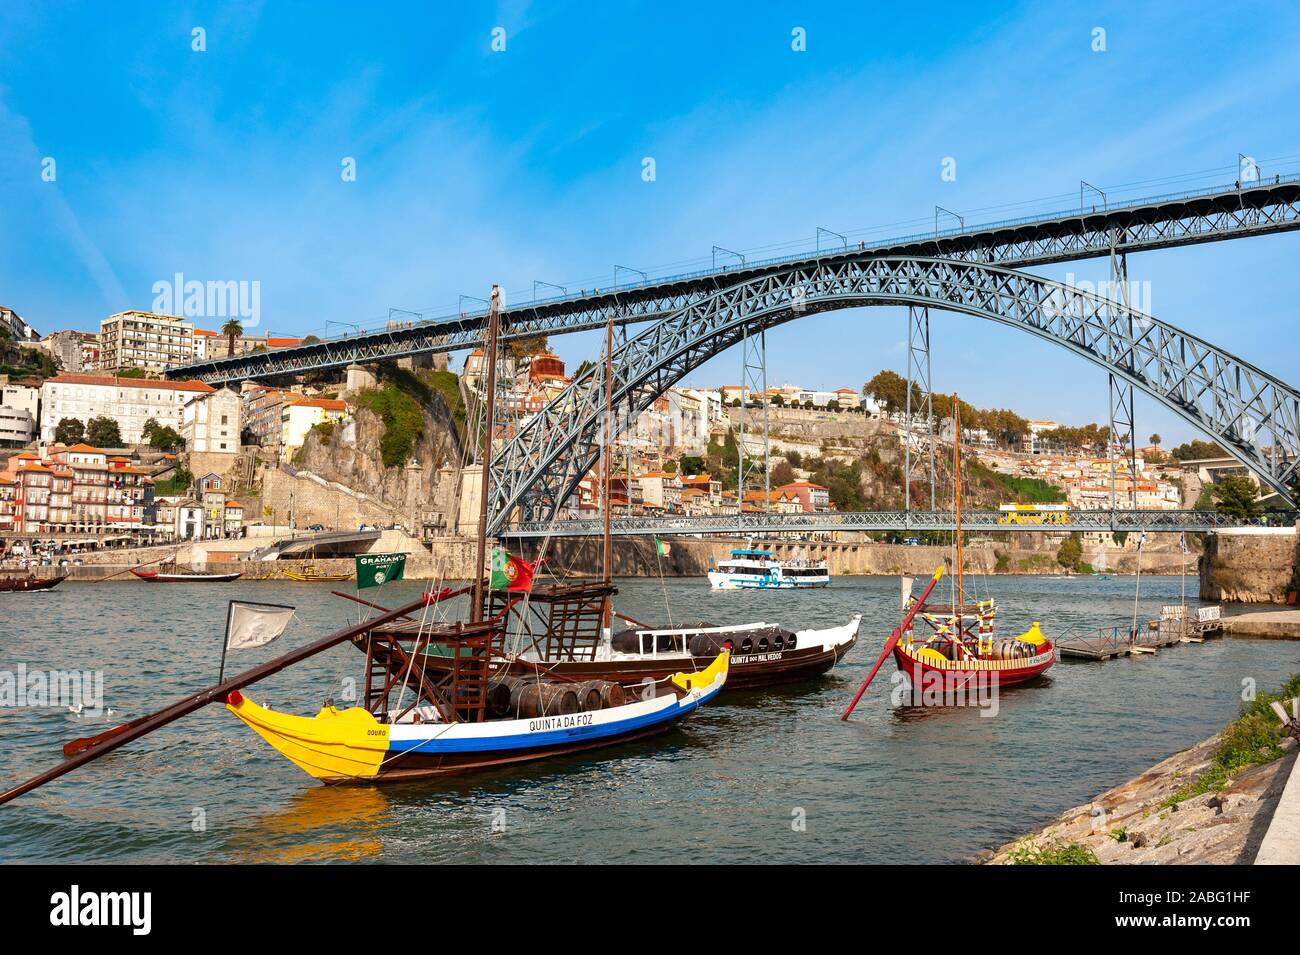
(1209,804)
(1269,623)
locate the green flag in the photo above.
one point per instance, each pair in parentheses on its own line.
(374,570)
(662,548)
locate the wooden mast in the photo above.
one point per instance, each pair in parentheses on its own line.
(605,453)
(956,467)
(489,425)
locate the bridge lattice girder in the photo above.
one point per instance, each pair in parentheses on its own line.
(1154,223)
(1093,521)
(1252,414)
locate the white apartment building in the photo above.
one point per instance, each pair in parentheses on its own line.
(300,415)
(19,410)
(135,339)
(131,401)
(17,327)
(17,426)
(210,423)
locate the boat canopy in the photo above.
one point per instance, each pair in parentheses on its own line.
(751,553)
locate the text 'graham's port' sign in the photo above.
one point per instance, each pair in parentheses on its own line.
(374,570)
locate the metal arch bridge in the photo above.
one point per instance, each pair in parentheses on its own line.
(1253,414)
(758,525)
(1185,218)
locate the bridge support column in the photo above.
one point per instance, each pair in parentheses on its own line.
(753,378)
(1121,391)
(917,466)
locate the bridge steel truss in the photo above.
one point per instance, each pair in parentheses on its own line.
(1251,413)
(1095,521)
(1154,223)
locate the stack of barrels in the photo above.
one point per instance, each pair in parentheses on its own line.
(525,697)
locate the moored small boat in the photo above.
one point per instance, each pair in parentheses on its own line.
(182,577)
(29,583)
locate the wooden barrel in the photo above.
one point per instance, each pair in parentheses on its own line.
(531,699)
(589,698)
(498,696)
(611,694)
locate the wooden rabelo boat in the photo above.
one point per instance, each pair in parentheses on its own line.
(418,721)
(183,576)
(956,648)
(29,583)
(562,628)
(309,573)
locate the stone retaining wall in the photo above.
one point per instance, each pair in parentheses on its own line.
(1248,564)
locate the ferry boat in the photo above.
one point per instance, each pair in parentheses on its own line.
(760,570)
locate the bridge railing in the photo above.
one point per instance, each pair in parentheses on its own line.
(806,254)
(990,521)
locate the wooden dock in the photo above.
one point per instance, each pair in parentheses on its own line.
(1122,641)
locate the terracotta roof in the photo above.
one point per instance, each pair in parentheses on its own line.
(206,333)
(282,342)
(114,382)
(807,484)
(329,404)
(83,448)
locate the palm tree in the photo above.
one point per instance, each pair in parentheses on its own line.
(232,330)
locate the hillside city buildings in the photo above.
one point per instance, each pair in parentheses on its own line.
(658,462)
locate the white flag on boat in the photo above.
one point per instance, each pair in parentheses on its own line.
(906,593)
(255,624)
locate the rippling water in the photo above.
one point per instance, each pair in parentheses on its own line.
(894,785)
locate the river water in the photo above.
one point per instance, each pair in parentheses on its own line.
(757,777)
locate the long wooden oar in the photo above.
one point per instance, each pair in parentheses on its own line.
(120,736)
(892,641)
(83,743)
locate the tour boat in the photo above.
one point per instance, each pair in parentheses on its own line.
(190,577)
(29,583)
(760,570)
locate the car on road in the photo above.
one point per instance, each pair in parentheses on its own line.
(316,527)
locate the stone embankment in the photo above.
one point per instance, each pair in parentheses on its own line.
(1250,565)
(689,557)
(1138,822)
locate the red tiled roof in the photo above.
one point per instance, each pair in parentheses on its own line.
(114,382)
(329,404)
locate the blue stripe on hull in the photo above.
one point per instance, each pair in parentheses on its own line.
(547,738)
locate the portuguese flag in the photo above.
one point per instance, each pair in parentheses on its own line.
(662,548)
(510,573)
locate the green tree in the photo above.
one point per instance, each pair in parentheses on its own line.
(1196,450)
(1070,552)
(524,347)
(232,330)
(166,439)
(103,432)
(1154,439)
(1235,495)
(69,431)
(783,473)
(691,464)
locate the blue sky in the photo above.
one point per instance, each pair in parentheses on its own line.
(476,166)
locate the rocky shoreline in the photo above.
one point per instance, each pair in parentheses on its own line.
(1138,823)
